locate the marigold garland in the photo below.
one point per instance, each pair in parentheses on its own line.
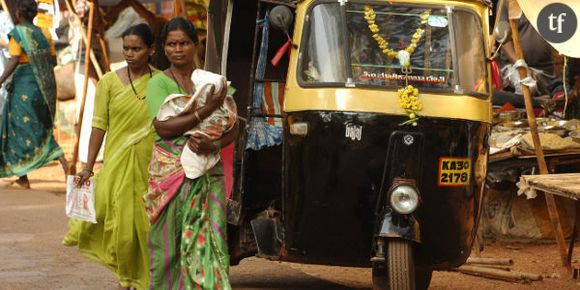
(370,16)
(409,95)
(410,102)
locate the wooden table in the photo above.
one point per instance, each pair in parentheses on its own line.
(565,185)
(506,166)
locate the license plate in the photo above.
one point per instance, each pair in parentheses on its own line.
(454,171)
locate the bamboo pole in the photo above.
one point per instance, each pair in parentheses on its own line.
(550,201)
(512,276)
(85,87)
(94,61)
(497,19)
(497,267)
(105,52)
(489,261)
(102,42)
(180,8)
(476,246)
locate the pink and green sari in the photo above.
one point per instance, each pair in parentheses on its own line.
(187,241)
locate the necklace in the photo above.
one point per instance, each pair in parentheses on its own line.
(175,79)
(403,55)
(131,82)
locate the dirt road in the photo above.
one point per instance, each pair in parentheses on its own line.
(32,223)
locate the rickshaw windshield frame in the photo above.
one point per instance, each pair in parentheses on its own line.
(439,69)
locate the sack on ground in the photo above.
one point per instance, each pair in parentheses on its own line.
(65,87)
(80,201)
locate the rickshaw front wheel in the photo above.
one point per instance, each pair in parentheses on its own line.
(398,271)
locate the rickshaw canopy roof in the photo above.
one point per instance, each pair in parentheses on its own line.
(532,8)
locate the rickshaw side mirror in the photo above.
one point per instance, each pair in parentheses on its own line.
(281,17)
(502,31)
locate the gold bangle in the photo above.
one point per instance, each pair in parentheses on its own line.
(196,115)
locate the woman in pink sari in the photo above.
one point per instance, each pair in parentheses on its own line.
(187,241)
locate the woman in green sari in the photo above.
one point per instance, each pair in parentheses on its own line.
(188,243)
(26,138)
(119,238)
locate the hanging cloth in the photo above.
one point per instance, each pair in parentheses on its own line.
(260,132)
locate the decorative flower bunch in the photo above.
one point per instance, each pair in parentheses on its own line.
(370,16)
(409,101)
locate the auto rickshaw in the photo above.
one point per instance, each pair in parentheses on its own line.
(367,146)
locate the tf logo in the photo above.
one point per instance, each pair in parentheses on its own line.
(557,22)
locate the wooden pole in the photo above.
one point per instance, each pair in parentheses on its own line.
(550,201)
(180,8)
(101,37)
(498,274)
(105,52)
(94,61)
(497,19)
(497,267)
(489,261)
(85,87)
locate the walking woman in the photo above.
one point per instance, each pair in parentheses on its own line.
(26,139)
(119,238)
(188,219)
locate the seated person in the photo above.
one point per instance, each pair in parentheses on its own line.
(538,55)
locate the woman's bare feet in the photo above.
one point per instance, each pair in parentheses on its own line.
(20,183)
(23,181)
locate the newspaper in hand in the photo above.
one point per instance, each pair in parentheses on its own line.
(80,201)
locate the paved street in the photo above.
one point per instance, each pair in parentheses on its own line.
(32,223)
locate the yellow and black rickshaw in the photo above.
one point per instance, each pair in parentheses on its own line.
(367,145)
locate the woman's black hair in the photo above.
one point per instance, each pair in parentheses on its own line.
(179,23)
(160,61)
(28,9)
(143,31)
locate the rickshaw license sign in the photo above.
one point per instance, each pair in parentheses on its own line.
(454,171)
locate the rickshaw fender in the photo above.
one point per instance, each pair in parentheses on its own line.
(393,225)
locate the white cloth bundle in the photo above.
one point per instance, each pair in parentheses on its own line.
(214,126)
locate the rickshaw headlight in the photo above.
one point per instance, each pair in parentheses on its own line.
(404,199)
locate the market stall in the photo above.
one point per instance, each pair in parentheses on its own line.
(509,215)
(544,139)
(564,185)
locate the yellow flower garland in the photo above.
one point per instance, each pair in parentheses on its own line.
(409,95)
(410,102)
(370,16)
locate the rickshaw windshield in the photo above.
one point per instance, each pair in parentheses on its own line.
(381,45)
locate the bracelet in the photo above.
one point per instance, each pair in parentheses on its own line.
(196,115)
(217,144)
(91,173)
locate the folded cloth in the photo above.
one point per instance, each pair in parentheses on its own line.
(213,126)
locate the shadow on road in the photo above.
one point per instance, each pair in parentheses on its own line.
(255,273)
(287,283)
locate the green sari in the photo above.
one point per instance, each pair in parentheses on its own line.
(187,241)
(26,139)
(119,238)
